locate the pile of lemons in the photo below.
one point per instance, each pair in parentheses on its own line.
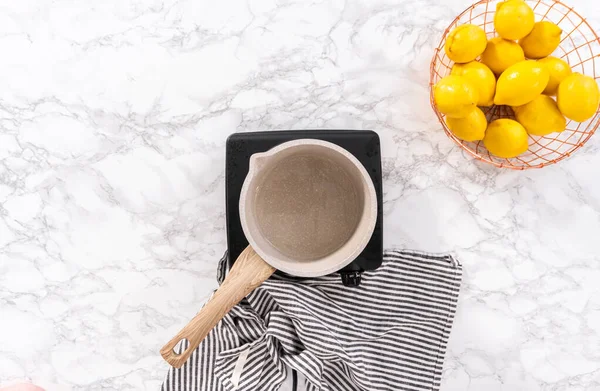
(514,69)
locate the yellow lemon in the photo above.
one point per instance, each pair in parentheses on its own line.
(465,43)
(578,97)
(521,83)
(470,128)
(542,40)
(513,19)
(455,96)
(558,71)
(500,54)
(481,77)
(541,116)
(505,138)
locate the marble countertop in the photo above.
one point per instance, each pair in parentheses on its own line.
(114,116)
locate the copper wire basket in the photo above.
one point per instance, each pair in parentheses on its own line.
(580,47)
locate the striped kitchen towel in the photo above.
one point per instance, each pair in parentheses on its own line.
(389,333)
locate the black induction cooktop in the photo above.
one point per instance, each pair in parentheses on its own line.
(364,144)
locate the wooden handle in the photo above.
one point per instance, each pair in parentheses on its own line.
(247,273)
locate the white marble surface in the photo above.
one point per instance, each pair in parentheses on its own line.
(113,120)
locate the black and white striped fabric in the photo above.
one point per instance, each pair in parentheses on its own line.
(390,333)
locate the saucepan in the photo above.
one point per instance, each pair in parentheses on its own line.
(308,208)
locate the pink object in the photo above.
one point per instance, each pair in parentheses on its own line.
(22,387)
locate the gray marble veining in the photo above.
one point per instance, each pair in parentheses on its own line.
(113,120)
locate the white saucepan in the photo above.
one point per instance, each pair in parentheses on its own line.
(287,204)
